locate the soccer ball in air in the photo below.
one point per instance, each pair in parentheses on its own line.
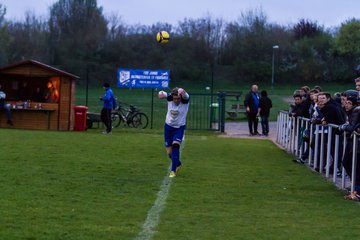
(162,37)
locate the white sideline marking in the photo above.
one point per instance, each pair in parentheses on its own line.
(153,216)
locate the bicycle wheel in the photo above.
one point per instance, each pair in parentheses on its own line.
(116,119)
(140,120)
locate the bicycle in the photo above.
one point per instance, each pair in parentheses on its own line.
(130,116)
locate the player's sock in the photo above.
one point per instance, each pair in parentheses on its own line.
(175,157)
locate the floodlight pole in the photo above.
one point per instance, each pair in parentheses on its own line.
(273,67)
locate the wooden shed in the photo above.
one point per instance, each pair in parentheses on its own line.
(39,96)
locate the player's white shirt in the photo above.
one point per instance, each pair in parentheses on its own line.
(176,114)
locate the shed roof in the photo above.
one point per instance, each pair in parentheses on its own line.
(38,64)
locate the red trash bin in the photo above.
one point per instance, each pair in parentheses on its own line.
(80,118)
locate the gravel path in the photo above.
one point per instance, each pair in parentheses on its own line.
(241,130)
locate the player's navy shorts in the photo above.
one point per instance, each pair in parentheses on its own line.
(173,134)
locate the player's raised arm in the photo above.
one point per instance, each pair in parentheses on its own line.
(184,95)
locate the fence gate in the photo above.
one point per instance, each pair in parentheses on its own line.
(206,112)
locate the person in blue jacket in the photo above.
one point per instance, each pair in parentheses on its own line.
(108,100)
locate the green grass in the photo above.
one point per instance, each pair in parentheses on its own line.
(70,185)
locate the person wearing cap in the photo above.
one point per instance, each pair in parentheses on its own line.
(353,112)
(108,100)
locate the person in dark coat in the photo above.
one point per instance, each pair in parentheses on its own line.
(251,103)
(298,109)
(265,104)
(333,114)
(353,111)
(331,110)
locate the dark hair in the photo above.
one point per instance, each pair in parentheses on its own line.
(263,93)
(296,95)
(314,91)
(327,95)
(106,85)
(174,92)
(318,88)
(306,89)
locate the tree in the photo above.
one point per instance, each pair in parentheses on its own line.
(348,38)
(306,28)
(4,36)
(28,39)
(77,33)
(249,46)
(347,48)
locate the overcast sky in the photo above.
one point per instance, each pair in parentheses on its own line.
(330,13)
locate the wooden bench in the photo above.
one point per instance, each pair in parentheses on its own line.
(236,94)
(235,109)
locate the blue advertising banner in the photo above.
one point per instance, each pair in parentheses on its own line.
(129,78)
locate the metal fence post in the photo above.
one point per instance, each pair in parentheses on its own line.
(336,157)
(328,153)
(322,150)
(297,132)
(343,169)
(310,140)
(316,155)
(222,98)
(354,162)
(278,127)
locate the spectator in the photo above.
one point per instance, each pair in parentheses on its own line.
(265,104)
(298,109)
(357,84)
(108,100)
(304,92)
(331,110)
(343,100)
(333,114)
(353,112)
(318,88)
(251,104)
(315,116)
(52,94)
(5,106)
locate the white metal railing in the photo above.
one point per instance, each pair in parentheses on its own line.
(324,148)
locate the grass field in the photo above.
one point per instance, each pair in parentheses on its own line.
(70,185)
